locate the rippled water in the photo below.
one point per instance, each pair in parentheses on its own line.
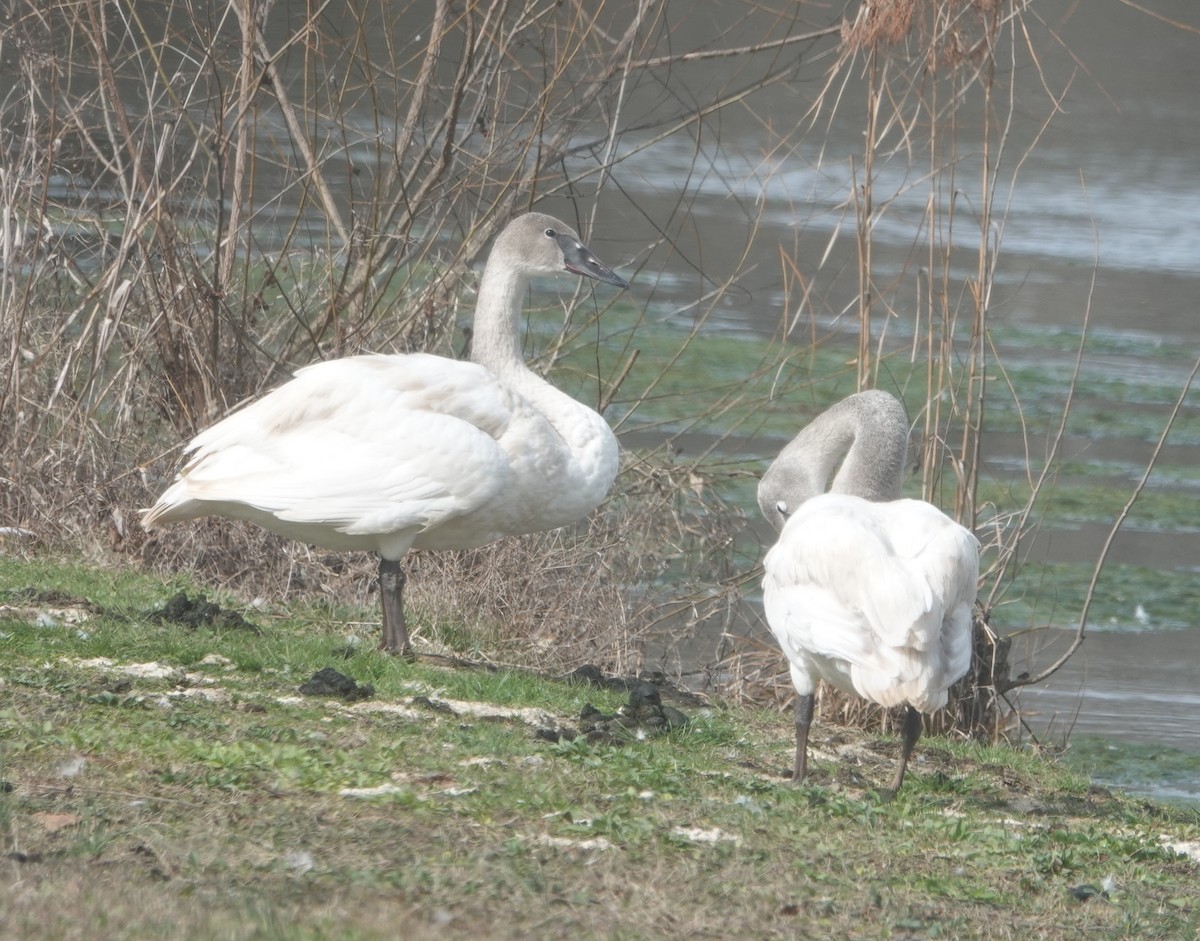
(1136,688)
(1104,214)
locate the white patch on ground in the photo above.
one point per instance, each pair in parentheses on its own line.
(299,861)
(1003,821)
(208,695)
(562,842)
(45,617)
(705,835)
(1188,848)
(390,708)
(380,790)
(460,707)
(487,710)
(72,767)
(141,671)
(96,663)
(150,671)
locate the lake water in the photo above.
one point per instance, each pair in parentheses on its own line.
(1110,194)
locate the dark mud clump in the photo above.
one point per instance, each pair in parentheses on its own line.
(198,612)
(591,675)
(645,712)
(329,682)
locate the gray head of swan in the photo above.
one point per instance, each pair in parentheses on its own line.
(536,243)
(858,446)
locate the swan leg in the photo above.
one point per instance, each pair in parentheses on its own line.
(395,631)
(804,714)
(912,732)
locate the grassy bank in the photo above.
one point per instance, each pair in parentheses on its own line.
(166,780)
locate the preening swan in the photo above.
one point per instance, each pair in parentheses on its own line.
(386,453)
(864,590)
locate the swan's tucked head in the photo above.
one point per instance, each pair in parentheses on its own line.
(782,489)
(536,243)
(857,446)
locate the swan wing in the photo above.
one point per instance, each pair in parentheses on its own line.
(818,635)
(878,595)
(945,556)
(366,444)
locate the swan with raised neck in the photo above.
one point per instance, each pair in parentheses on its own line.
(384,453)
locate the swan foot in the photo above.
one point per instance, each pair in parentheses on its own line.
(391,588)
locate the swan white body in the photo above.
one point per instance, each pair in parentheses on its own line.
(868,592)
(386,453)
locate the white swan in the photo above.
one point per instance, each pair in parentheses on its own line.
(864,590)
(386,453)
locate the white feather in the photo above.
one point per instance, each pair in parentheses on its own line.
(874,598)
(864,590)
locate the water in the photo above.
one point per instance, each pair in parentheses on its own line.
(1109,192)
(1136,691)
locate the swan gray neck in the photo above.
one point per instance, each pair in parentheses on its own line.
(866,434)
(496,336)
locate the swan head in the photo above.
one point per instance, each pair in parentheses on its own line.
(856,446)
(779,493)
(541,244)
(578,259)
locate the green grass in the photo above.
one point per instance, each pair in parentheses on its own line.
(207,800)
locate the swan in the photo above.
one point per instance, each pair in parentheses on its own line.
(385,453)
(864,590)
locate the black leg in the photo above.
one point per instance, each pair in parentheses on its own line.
(804,714)
(391,589)
(912,732)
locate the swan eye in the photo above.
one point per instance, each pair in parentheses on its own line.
(551,234)
(782,508)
